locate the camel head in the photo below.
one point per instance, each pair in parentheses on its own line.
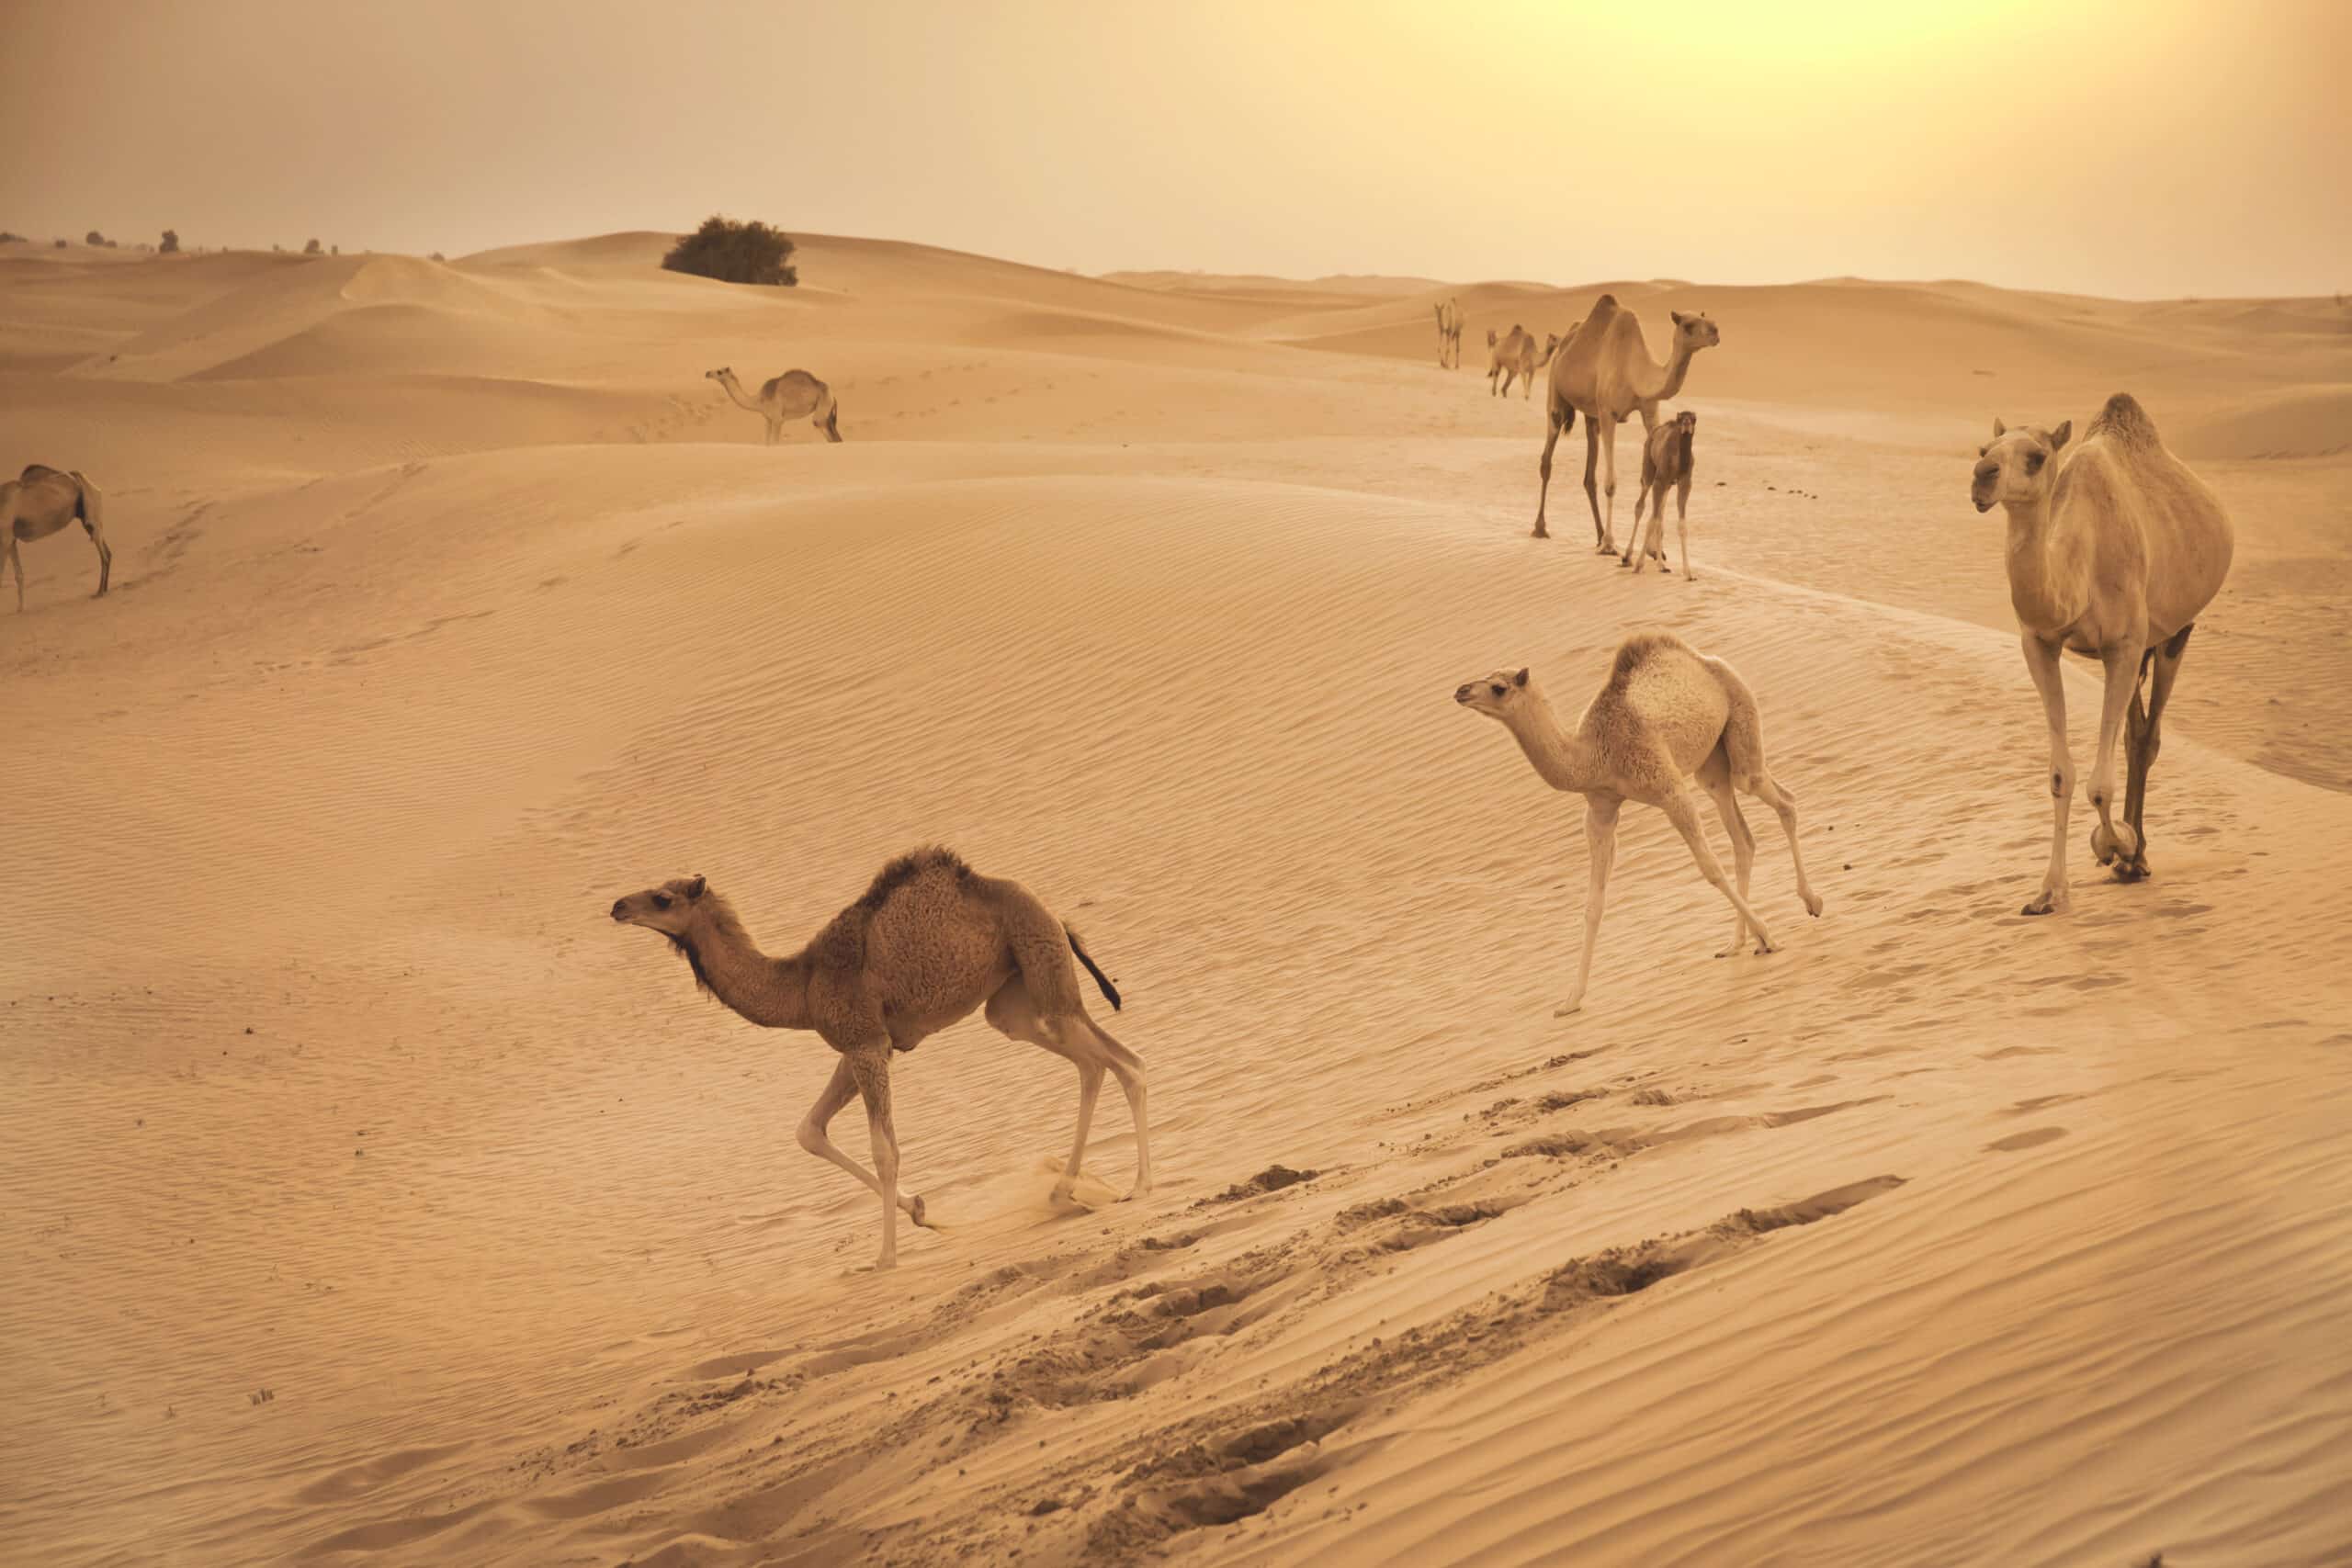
(1552,342)
(673,909)
(723,375)
(2017,468)
(1490,337)
(1500,696)
(1688,421)
(1692,333)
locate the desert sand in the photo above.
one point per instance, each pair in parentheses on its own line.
(368,1196)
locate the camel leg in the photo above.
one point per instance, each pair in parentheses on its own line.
(1714,777)
(870,1065)
(1640,500)
(1685,817)
(1783,803)
(839,1088)
(1609,485)
(2122,662)
(1551,439)
(1601,541)
(106,557)
(1682,522)
(2042,663)
(1601,844)
(2148,742)
(9,557)
(1089,1047)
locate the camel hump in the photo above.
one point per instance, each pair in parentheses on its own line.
(2124,419)
(1638,652)
(38,472)
(1605,305)
(909,866)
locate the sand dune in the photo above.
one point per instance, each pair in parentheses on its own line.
(450,602)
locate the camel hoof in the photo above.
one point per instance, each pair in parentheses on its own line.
(1539,533)
(1764,946)
(1565,1009)
(1604,549)
(1813,905)
(2047,903)
(2134,870)
(916,1212)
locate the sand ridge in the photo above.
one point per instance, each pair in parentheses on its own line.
(1940,1233)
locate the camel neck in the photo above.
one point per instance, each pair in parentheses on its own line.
(735,395)
(2042,587)
(771,992)
(1557,755)
(1670,374)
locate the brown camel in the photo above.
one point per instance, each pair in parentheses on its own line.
(40,503)
(783,396)
(930,940)
(2113,553)
(1666,466)
(1603,370)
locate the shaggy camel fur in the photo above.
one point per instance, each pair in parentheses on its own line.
(40,503)
(1667,714)
(1449,335)
(2113,553)
(1603,370)
(930,940)
(788,396)
(1665,465)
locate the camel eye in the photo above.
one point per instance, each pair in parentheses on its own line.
(660,901)
(1496,690)
(2033,462)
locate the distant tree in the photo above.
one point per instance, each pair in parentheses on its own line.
(94,238)
(735,253)
(279,249)
(336,250)
(62,243)
(171,245)
(439,257)
(312,249)
(8,239)
(113,245)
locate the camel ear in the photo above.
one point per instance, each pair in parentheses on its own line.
(694,888)
(1519,679)
(2058,436)
(1999,429)
(1679,317)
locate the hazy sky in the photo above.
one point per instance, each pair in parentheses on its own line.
(2149,148)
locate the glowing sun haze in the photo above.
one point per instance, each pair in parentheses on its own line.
(2146,149)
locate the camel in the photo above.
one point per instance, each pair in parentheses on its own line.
(1604,368)
(788,396)
(930,940)
(1665,465)
(42,502)
(1666,713)
(1449,335)
(1524,361)
(1502,353)
(2113,553)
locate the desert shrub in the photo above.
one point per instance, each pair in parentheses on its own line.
(62,243)
(439,257)
(314,248)
(735,253)
(8,239)
(335,250)
(171,244)
(94,238)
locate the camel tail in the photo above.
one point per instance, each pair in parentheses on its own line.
(1110,991)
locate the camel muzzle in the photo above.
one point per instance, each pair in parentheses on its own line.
(620,909)
(1462,693)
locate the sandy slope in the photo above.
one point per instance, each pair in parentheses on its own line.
(450,604)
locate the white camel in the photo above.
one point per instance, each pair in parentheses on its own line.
(1665,715)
